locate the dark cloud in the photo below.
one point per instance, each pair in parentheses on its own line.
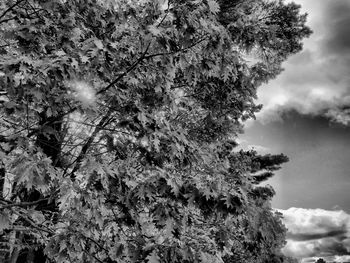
(338,234)
(331,247)
(331,259)
(317,233)
(337,15)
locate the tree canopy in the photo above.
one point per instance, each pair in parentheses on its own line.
(118,129)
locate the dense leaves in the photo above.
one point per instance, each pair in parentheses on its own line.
(118,127)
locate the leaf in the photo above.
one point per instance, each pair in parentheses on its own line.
(156,143)
(4,222)
(98,43)
(37,216)
(84,59)
(75,63)
(213,6)
(49,112)
(5,147)
(158,89)
(60,53)
(143,118)
(153,257)
(174,186)
(9,105)
(154,30)
(76,33)
(228,201)
(37,94)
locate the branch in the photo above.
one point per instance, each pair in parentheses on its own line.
(11,8)
(132,67)
(2,178)
(8,19)
(92,255)
(91,239)
(34,225)
(176,51)
(87,145)
(22,204)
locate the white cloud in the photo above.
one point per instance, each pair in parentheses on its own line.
(316,233)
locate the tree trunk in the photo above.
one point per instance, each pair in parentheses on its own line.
(2,179)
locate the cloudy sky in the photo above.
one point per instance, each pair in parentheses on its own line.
(306,115)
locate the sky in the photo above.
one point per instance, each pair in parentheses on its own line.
(306,115)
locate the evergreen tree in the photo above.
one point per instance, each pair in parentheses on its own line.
(118,128)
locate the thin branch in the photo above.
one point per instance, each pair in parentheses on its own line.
(166,14)
(11,8)
(128,70)
(92,240)
(35,11)
(177,51)
(22,204)
(6,45)
(89,142)
(8,19)
(49,231)
(91,255)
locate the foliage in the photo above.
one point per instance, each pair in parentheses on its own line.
(118,127)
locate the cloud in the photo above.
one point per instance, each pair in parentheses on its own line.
(317,80)
(314,233)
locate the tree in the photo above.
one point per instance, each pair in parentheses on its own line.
(320,260)
(118,127)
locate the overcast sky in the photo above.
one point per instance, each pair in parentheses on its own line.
(306,115)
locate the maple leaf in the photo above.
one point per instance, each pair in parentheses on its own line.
(4,221)
(98,43)
(153,257)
